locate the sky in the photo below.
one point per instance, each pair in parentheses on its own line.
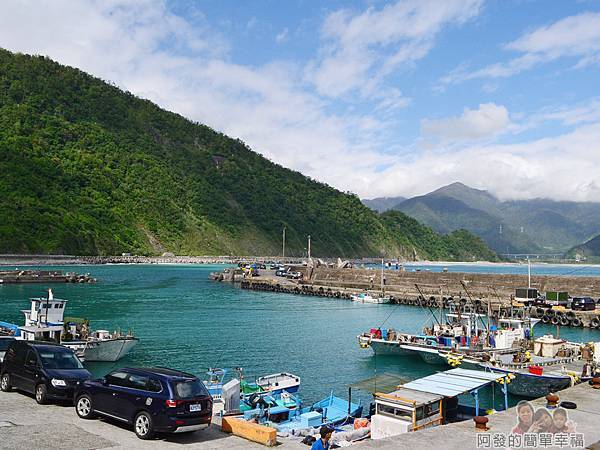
(378,98)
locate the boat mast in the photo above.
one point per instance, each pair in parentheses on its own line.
(283,249)
(528,275)
(382,288)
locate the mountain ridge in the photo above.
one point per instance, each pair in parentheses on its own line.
(512,226)
(91,169)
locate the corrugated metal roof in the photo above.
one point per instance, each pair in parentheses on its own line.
(406,396)
(453,382)
(386,382)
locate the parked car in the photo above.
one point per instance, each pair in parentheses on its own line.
(47,370)
(583,304)
(281,272)
(4,343)
(151,399)
(294,275)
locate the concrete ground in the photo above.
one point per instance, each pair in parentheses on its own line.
(26,425)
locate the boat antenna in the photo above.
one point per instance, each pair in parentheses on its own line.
(528,274)
(464,285)
(428,307)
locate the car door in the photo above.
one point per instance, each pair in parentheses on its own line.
(30,372)
(132,397)
(108,395)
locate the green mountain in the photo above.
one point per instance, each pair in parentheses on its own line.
(90,169)
(525,226)
(590,250)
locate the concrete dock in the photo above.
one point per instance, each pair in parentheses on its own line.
(26,425)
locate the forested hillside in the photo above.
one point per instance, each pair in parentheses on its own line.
(89,169)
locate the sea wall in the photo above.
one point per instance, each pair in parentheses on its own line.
(448,284)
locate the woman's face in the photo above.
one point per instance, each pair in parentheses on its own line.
(560,421)
(545,421)
(526,415)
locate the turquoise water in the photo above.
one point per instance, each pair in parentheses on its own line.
(188,322)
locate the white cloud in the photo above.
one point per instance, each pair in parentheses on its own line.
(576,37)
(486,121)
(565,167)
(369,45)
(148,50)
(283,36)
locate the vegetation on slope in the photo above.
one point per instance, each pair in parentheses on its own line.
(90,169)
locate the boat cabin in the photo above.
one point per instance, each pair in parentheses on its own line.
(405,410)
(431,401)
(45,311)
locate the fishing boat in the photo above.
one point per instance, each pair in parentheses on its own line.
(460,335)
(554,364)
(268,393)
(365,297)
(45,321)
(276,383)
(331,411)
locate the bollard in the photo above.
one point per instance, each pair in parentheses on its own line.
(552,400)
(481,423)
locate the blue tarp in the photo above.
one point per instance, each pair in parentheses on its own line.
(11,326)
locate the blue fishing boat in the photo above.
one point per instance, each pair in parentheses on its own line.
(331,411)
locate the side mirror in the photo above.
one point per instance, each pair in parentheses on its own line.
(104,381)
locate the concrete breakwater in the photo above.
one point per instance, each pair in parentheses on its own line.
(43,276)
(439,290)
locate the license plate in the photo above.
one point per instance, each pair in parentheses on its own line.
(195,408)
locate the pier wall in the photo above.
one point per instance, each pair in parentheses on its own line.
(448,284)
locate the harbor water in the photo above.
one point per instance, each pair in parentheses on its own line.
(188,322)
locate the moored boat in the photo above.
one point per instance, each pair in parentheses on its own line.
(45,321)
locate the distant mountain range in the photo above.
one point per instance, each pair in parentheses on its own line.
(589,249)
(382,204)
(523,226)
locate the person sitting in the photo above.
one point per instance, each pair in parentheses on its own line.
(323,443)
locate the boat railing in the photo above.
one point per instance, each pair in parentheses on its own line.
(553,362)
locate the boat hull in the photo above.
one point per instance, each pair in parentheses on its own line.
(389,348)
(534,386)
(109,350)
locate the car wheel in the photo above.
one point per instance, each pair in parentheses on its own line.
(5,383)
(41,394)
(144,428)
(83,406)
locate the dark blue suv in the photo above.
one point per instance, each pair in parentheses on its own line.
(152,399)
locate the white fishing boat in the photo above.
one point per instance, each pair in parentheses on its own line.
(45,321)
(365,297)
(279,382)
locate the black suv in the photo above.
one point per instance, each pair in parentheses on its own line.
(153,400)
(583,304)
(50,371)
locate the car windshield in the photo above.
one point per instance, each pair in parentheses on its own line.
(60,360)
(189,389)
(4,343)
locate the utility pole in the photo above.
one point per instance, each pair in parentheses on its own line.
(309,247)
(283,250)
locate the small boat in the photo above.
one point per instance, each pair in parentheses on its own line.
(276,383)
(365,297)
(331,411)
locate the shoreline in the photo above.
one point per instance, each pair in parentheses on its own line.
(9,260)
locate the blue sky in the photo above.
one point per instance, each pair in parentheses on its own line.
(380,98)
